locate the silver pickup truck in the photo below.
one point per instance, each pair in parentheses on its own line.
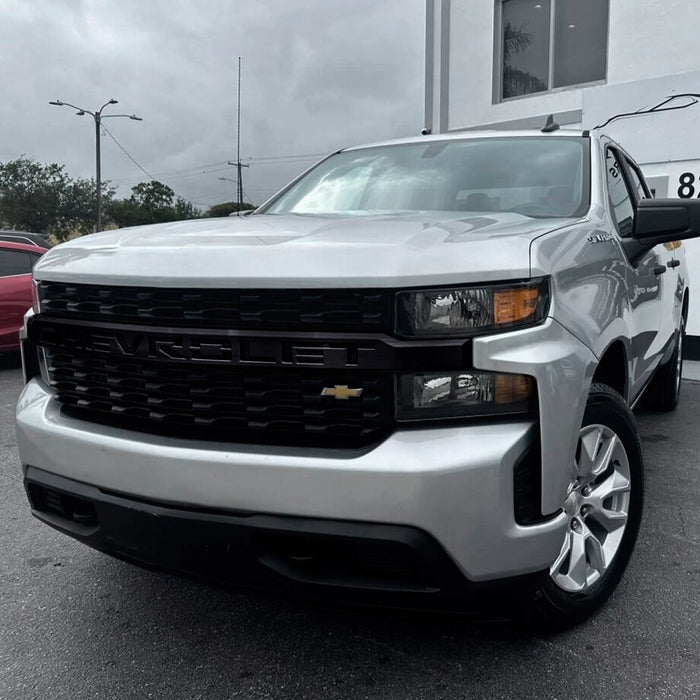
(406,378)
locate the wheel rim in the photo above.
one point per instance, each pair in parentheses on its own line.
(597,504)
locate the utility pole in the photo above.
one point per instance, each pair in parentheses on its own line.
(238,164)
(98,117)
(239,180)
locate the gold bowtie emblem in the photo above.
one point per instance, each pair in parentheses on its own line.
(343,392)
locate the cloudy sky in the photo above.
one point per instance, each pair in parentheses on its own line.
(317,75)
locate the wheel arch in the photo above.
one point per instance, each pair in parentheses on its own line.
(612,368)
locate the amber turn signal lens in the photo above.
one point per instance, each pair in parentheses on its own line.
(511,388)
(512,305)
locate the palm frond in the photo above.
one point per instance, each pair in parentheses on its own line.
(515,39)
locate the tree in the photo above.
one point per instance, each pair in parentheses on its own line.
(518,82)
(515,81)
(227,208)
(125,212)
(186,210)
(151,203)
(44,199)
(78,210)
(152,195)
(515,39)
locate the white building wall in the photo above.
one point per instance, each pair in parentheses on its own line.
(651,38)
(472,65)
(647,38)
(659,138)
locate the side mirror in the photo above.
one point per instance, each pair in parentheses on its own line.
(665,220)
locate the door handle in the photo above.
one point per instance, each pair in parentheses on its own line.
(659,269)
(673,263)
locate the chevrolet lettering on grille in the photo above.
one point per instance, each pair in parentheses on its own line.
(213,350)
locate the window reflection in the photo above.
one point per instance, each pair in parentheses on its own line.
(525,46)
(532,176)
(636,181)
(619,196)
(580,41)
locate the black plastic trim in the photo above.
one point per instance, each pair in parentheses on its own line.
(30,360)
(691,347)
(527,487)
(361,562)
(314,310)
(351,351)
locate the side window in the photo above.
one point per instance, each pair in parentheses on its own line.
(637,180)
(620,200)
(14,262)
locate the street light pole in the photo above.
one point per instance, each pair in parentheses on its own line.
(98,117)
(98,171)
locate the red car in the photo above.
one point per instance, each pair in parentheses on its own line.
(16,263)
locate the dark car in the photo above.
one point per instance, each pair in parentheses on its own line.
(35,239)
(16,263)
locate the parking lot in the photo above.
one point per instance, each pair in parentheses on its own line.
(78,624)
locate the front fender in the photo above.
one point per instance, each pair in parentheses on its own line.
(563,368)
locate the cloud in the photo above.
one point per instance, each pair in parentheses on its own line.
(317,75)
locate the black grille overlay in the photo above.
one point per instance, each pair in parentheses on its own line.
(268,309)
(259,405)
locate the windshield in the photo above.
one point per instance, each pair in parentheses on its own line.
(535,176)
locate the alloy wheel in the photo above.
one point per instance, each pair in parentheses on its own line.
(597,504)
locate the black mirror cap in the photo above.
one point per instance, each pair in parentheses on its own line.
(665,220)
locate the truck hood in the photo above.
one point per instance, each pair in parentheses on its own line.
(304,252)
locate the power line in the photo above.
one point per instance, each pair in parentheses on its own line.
(135,162)
(182,174)
(204,168)
(128,155)
(164,176)
(185,171)
(185,174)
(300,156)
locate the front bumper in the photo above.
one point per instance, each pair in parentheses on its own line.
(452,484)
(368,564)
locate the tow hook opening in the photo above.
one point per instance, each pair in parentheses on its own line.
(48,500)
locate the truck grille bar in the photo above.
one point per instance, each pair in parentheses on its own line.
(267,309)
(256,405)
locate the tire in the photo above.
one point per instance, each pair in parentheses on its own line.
(664,390)
(604,505)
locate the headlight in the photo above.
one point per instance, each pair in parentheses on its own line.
(468,310)
(460,394)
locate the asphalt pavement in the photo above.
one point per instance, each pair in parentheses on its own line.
(77,624)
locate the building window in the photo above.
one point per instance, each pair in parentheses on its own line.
(549,44)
